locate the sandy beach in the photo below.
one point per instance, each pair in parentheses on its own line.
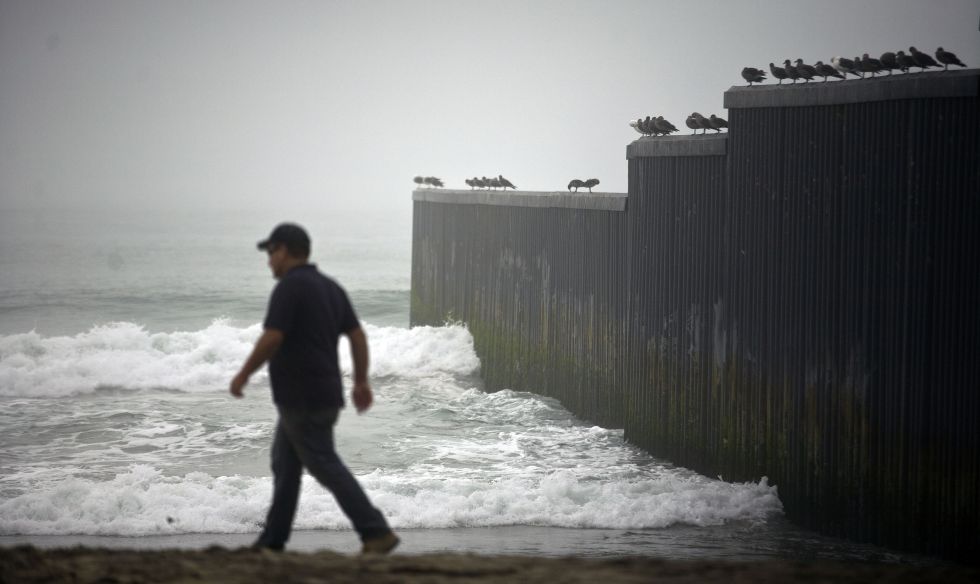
(218,564)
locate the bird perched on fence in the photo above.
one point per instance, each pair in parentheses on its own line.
(591,183)
(947,59)
(778,73)
(905,62)
(419,180)
(717,123)
(662,126)
(494,183)
(505,183)
(692,123)
(825,71)
(791,71)
(806,71)
(889,62)
(644,126)
(753,75)
(922,60)
(845,66)
(702,122)
(635,124)
(433,181)
(575,184)
(469,182)
(869,64)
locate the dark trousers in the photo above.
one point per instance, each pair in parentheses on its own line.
(304,438)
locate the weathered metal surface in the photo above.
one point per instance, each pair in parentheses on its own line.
(686,145)
(540,290)
(804,307)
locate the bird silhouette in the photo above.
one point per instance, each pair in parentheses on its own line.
(947,59)
(753,75)
(419,180)
(717,123)
(692,123)
(702,122)
(889,62)
(592,182)
(575,184)
(825,71)
(869,65)
(778,73)
(663,126)
(905,62)
(432,181)
(505,183)
(791,71)
(845,66)
(806,71)
(922,60)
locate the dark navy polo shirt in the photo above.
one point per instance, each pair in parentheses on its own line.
(312,311)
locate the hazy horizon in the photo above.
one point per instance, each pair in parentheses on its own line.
(337,105)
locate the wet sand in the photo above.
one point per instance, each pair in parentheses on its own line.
(218,564)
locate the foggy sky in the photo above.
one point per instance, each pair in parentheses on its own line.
(213,104)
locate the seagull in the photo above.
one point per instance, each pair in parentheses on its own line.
(419,180)
(905,62)
(663,126)
(845,66)
(692,123)
(495,183)
(433,181)
(469,182)
(753,75)
(592,182)
(576,184)
(479,183)
(826,71)
(487,182)
(889,62)
(648,127)
(806,71)
(717,123)
(947,59)
(505,183)
(791,71)
(778,73)
(870,65)
(922,60)
(702,122)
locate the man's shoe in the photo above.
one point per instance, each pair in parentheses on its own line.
(381,545)
(259,546)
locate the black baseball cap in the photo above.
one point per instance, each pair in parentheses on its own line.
(291,235)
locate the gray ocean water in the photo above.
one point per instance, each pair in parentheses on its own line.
(120,331)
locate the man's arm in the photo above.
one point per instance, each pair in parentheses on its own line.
(359,356)
(264,349)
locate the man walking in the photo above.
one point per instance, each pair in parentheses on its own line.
(306,316)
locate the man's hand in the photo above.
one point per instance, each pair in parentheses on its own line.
(238,384)
(362,396)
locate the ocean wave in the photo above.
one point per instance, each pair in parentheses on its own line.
(125,355)
(143,501)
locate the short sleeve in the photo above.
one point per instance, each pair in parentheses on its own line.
(282,307)
(348,318)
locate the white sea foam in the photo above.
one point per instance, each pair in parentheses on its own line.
(143,501)
(125,355)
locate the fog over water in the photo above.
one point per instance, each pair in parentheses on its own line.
(146,146)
